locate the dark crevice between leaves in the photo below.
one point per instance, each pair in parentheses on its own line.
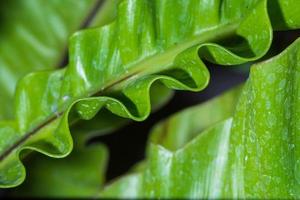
(281,40)
(65,56)
(275,13)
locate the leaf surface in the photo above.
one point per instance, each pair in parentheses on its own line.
(39,167)
(79,175)
(33,37)
(114,69)
(253,155)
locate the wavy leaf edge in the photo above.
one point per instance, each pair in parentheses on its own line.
(61,134)
(240,164)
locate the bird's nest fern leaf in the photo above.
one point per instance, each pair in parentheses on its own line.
(255,154)
(114,66)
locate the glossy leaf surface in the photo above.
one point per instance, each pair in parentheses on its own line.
(33,36)
(38,175)
(172,135)
(253,155)
(114,69)
(81,174)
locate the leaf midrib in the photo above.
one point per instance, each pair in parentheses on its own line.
(162,61)
(149,65)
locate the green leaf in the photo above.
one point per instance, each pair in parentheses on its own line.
(107,14)
(37,183)
(33,36)
(284,14)
(81,174)
(176,131)
(114,69)
(172,134)
(253,155)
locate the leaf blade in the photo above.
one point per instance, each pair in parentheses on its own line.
(252,155)
(36,34)
(85,74)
